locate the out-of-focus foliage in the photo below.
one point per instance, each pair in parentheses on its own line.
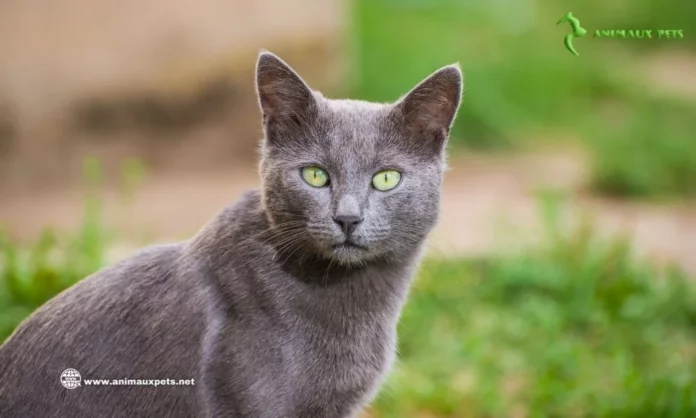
(519,78)
(31,275)
(650,150)
(577,327)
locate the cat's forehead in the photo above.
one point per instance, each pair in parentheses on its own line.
(355,127)
(355,108)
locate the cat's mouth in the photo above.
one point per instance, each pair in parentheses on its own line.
(347,244)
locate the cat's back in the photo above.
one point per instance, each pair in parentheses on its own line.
(137,319)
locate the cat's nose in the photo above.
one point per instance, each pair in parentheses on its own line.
(347,222)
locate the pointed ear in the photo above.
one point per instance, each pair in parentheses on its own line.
(285,99)
(429,109)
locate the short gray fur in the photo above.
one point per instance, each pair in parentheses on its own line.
(264,307)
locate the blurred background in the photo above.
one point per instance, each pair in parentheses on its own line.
(560,281)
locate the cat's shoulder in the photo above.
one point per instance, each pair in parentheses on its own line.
(248,207)
(150,266)
(242,217)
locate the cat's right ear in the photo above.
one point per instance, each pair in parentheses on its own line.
(287,103)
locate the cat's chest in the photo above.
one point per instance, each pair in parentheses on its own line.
(340,372)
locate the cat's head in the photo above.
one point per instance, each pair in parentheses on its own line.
(348,180)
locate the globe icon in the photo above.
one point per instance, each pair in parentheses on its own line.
(70,378)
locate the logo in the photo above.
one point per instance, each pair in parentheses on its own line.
(70,378)
(577,31)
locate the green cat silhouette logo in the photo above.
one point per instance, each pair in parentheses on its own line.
(577,32)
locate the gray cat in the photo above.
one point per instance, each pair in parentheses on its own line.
(286,303)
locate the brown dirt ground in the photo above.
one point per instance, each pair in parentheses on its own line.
(487,201)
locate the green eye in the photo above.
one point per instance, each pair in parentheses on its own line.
(315,176)
(386,180)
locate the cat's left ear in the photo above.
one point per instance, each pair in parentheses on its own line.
(428,110)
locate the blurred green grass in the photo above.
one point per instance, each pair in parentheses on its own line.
(30,275)
(649,151)
(519,79)
(576,327)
